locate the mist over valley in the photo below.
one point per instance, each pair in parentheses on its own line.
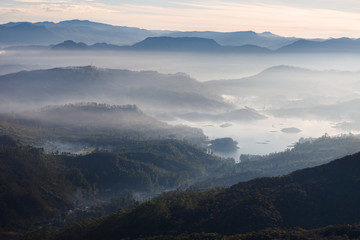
(162,134)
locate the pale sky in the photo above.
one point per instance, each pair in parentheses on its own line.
(300,18)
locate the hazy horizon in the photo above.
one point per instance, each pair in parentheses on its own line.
(309,19)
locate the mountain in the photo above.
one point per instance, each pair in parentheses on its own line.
(77,30)
(146,89)
(156,44)
(265,40)
(25,33)
(346,45)
(34,188)
(96,115)
(192,44)
(69,45)
(8,141)
(12,68)
(339,232)
(40,189)
(178,44)
(294,87)
(308,198)
(75,126)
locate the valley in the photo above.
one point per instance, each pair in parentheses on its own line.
(114,132)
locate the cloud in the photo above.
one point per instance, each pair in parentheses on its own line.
(43,1)
(213,15)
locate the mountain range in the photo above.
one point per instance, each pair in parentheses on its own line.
(75,146)
(344,45)
(159,44)
(198,44)
(93,35)
(26,33)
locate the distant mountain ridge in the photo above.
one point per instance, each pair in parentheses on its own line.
(91,33)
(174,44)
(199,44)
(181,43)
(25,32)
(265,39)
(22,33)
(69,45)
(77,30)
(323,46)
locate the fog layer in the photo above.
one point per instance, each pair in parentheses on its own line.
(249,97)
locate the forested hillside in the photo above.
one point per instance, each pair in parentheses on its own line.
(38,189)
(94,124)
(310,198)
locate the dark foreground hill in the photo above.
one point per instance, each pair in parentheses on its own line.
(310,198)
(33,188)
(38,188)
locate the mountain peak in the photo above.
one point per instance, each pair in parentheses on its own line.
(177,43)
(70,45)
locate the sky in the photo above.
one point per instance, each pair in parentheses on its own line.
(300,18)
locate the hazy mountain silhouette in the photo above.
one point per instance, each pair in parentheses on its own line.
(146,88)
(177,44)
(266,39)
(83,121)
(323,46)
(77,30)
(294,86)
(192,44)
(69,45)
(26,33)
(15,33)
